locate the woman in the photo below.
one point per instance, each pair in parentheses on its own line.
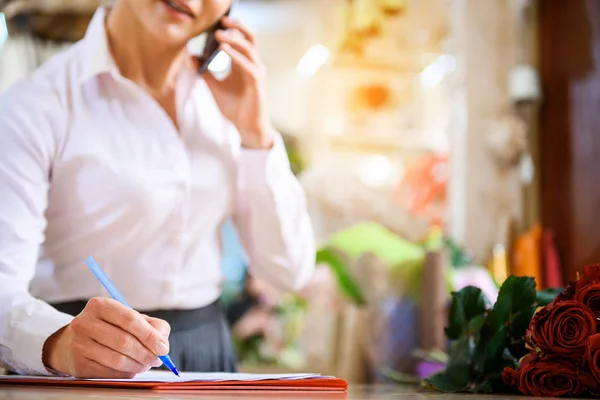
(117,148)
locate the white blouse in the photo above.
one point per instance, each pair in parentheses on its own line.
(91,165)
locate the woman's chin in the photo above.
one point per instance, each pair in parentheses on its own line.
(171,34)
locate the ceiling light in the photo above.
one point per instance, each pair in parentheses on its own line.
(314,59)
(435,72)
(377,170)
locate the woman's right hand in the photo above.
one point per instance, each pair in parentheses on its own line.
(107,340)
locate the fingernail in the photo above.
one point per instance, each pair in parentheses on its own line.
(162,348)
(157,363)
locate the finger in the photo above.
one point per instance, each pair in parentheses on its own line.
(109,358)
(241,61)
(163,327)
(213,83)
(121,341)
(239,43)
(232,23)
(90,369)
(130,321)
(160,325)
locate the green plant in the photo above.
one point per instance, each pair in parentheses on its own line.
(346,283)
(487,339)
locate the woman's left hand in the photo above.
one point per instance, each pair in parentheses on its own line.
(240,95)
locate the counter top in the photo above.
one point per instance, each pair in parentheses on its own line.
(356,392)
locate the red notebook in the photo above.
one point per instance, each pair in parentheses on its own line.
(166,381)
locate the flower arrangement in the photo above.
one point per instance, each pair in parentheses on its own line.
(564,344)
(537,343)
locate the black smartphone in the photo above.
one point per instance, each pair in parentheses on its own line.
(211,46)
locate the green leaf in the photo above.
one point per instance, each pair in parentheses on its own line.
(484,386)
(477,358)
(495,348)
(457,375)
(515,305)
(458,255)
(545,297)
(491,380)
(509,360)
(468,303)
(489,350)
(476,324)
(492,383)
(461,355)
(346,282)
(509,318)
(443,382)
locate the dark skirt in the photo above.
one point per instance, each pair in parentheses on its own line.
(200,339)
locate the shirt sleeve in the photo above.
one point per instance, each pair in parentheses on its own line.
(272,219)
(29,114)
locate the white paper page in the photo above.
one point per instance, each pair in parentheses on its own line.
(167,376)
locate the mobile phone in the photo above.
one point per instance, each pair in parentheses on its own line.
(211,46)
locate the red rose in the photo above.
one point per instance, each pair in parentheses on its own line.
(587,290)
(511,377)
(568,293)
(554,376)
(592,356)
(590,296)
(562,328)
(528,359)
(590,274)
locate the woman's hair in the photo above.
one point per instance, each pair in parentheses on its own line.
(13,8)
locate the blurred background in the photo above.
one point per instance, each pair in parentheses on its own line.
(441,143)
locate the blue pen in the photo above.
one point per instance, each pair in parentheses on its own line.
(115,294)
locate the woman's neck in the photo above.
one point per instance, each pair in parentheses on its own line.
(139,56)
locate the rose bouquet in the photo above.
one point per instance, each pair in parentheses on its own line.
(537,343)
(564,344)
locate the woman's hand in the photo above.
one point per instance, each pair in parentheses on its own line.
(240,96)
(107,340)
